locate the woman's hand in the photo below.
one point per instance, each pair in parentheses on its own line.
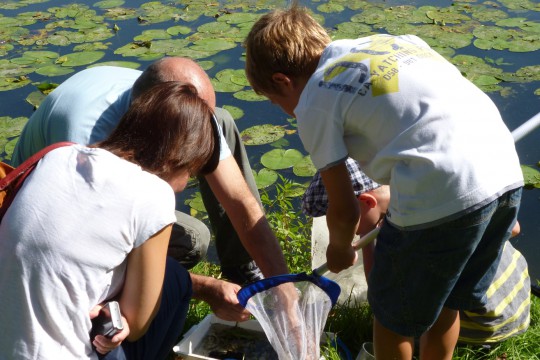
(104,344)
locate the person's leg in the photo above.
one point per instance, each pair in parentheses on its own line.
(236,264)
(441,339)
(168,323)
(390,345)
(189,240)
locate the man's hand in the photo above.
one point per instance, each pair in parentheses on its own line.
(103,344)
(221,296)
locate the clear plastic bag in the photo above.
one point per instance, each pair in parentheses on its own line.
(292,310)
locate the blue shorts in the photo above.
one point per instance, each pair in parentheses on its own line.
(417,273)
(167,325)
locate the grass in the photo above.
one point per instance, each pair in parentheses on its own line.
(352,322)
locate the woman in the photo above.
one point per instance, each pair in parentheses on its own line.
(93,223)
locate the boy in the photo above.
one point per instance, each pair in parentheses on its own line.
(415,123)
(372,197)
(507,311)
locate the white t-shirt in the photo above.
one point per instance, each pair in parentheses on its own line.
(413,122)
(84,109)
(63,247)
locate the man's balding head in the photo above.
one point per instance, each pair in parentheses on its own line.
(176,69)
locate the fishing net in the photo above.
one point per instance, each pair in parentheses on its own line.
(292,310)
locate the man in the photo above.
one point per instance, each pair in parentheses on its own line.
(87,106)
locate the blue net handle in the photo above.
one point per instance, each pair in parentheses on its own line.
(331,288)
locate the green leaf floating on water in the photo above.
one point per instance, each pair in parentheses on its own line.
(9,147)
(153,34)
(42,55)
(80,58)
(213,45)
(264,178)
(196,202)
(107,4)
(179,30)
(304,167)
(330,8)
(206,64)
(54,70)
(35,98)
(230,80)
(10,127)
(531,176)
(249,95)
(220,86)
(235,112)
(262,134)
(239,18)
(278,159)
(9,83)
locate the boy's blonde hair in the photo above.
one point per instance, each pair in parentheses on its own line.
(285,41)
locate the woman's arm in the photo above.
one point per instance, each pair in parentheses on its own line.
(140,297)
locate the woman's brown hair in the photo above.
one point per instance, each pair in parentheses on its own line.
(166,129)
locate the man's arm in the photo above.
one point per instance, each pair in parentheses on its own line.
(247,217)
(342,217)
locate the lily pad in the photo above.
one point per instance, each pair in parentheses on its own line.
(305,167)
(153,34)
(220,86)
(169,46)
(8,69)
(278,159)
(98,45)
(53,70)
(235,111)
(531,176)
(196,202)
(35,98)
(10,127)
(249,95)
(178,30)
(239,18)
(262,134)
(9,83)
(9,147)
(80,58)
(43,55)
(107,4)
(330,8)
(213,45)
(214,28)
(264,178)
(206,64)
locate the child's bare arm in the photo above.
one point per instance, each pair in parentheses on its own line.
(516,229)
(342,217)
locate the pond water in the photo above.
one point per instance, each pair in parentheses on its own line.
(501,41)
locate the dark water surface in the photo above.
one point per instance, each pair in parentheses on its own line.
(521,105)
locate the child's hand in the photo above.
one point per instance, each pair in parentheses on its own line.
(340,257)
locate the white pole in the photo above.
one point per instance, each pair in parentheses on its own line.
(527,127)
